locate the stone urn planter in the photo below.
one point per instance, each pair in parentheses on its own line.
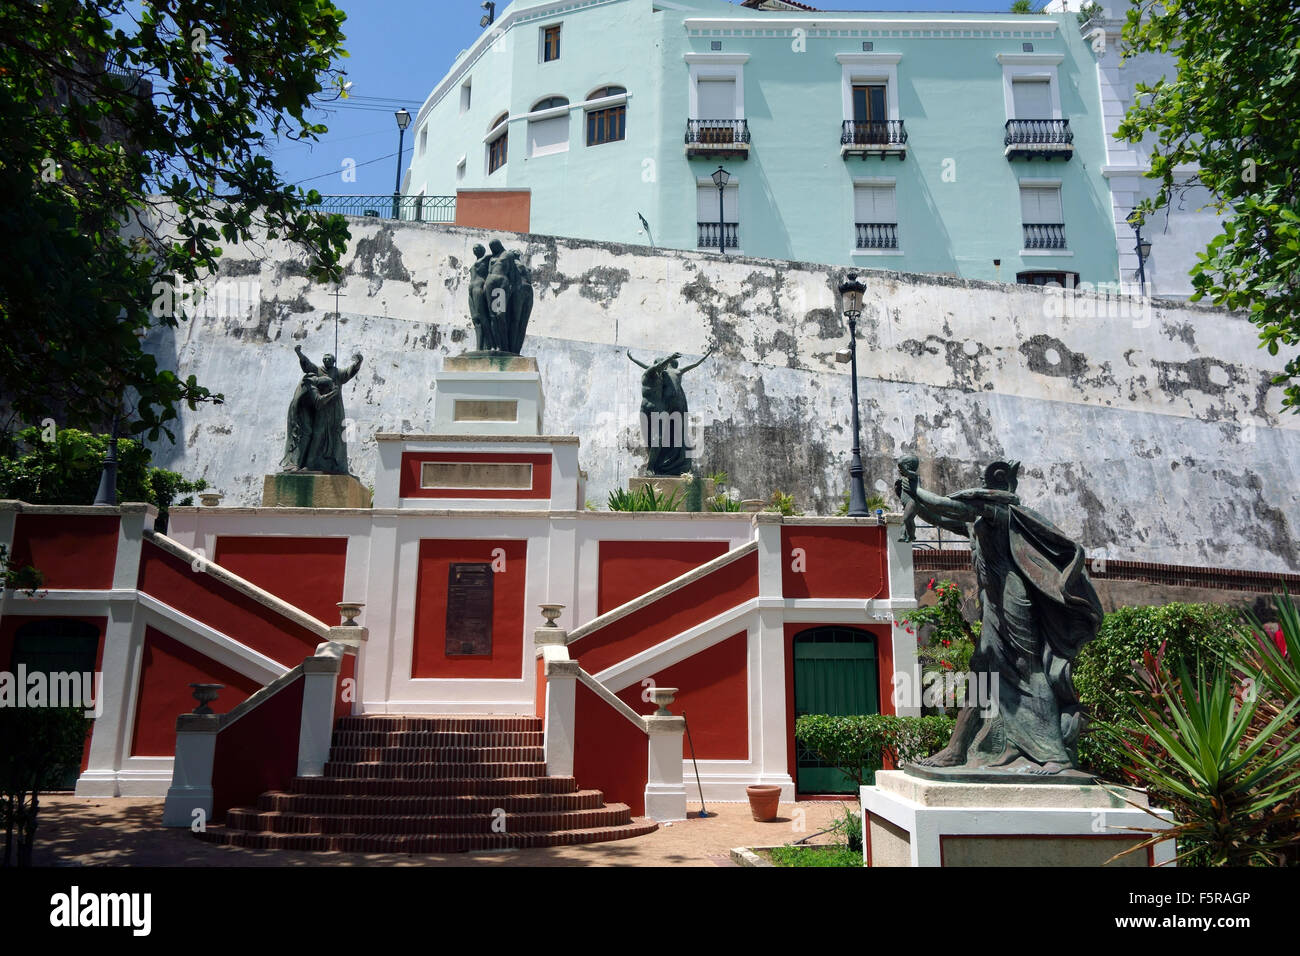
(764,800)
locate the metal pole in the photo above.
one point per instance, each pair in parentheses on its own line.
(1142,271)
(397,182)
(857,493)
(107,493)
(722,226)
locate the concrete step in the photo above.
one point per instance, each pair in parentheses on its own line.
(262,821)
(424,843)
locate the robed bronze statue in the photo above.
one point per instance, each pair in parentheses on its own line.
(664,415)
(314,438)
(500,299)
(1039,609)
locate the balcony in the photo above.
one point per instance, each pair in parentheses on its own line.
(717,137)
(1046,138)
(1044,235)
(877,235)
(873,138)
(707,233)
(388,206)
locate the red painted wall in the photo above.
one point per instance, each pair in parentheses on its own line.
(258,752)
(628,569)
(72,551)
(609,753)
(9,626)
(430,657)
(507,210)
(220,606)
(698,601)
(884,667)
(714,697)
(347,671)
(167,669)
(412,462)
(838,562)
(306,572)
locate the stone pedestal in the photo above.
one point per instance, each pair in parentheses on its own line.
(488,393)
(690,498)
(909,821)
(310,489)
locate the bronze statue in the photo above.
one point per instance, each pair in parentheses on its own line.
(1039,609)
(314,439)
(664,414)
(500,298)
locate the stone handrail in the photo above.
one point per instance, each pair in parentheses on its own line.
(246,588)
(608,696)
(650,597)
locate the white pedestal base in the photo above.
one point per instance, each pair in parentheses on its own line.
(486,401)
(908,821)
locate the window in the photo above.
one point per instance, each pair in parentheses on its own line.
(869,103)
(550,43)
(608,124)
(1067,280)
(1040,212)
(460,169)
(875,216)
(706,214)
(1031,99)
(549,132)
(465,96)
(869,87)
(497,147)
(424,139)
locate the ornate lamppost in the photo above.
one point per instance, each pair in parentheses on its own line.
(720,179)
(1143,249)
(851,291)
(403,121)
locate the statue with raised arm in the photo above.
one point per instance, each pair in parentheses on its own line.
(1039,609)
(314,439)
(664,414)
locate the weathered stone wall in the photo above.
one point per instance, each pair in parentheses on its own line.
(1151,435)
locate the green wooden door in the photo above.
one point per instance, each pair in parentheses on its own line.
(57,646)
(835,672)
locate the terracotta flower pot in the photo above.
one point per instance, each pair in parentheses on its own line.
(764,801)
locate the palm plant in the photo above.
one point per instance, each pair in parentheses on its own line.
(1226,759)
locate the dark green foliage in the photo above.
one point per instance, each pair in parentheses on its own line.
(945,640)
(858,745)
(36,743)
(1188,632)
(155,117)
(66,472)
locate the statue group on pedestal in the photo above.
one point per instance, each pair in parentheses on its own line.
(314,434)
(500,298)
(1039,609)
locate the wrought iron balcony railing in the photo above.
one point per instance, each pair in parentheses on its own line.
(1044,235)
(1038,132)
(708,235)
(413,208)
(873,133)
(877,235)
(717,132)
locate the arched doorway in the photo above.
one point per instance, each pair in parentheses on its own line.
(57,645)
(835,672)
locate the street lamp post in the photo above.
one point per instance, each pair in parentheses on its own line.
(720,179)
(106,494)
(1143,248)
(403,121)
(851,291)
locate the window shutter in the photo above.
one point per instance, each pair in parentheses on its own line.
(1041,204)
(706,204)
(548,135)
(716,98)
(1032,99)
(875,204)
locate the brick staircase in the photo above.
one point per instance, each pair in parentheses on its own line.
(397,784)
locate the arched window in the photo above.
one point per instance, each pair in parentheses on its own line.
(496,147)
(549,134)
(606,124)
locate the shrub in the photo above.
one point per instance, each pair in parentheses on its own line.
(644,498)
(945,639)
(38,743)
(66,471)
(859,745)
(1190,633)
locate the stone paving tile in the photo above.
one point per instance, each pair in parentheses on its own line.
(78,831)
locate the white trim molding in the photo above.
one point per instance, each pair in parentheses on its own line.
(714,66)
(856,67)
(1030,66)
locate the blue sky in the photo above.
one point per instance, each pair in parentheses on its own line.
(399,50)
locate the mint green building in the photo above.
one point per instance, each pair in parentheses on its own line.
(962,144)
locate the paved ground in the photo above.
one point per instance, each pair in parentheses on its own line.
(128,832)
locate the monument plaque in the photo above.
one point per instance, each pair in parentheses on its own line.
(469,609)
